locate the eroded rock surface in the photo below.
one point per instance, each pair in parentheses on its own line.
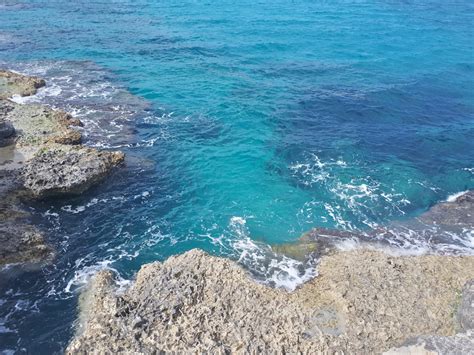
(61,170)
(459,212)
(461,343)
(17,84)
(466,309)
(20,242)
(362,302)
(40,154)
(37,125)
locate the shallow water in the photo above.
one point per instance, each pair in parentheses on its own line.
(245,124)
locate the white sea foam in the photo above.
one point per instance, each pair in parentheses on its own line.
(84,90)
(42,93)
(78,209)
(94,201)
(348,202)
(268,267)
(453,197)
(83,275)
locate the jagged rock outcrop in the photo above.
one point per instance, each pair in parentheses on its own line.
(40,156)
(17,84)
(22,243)
(54,162)
(61,170)
(363,301)
(457,213)
(460,343)
(38,125)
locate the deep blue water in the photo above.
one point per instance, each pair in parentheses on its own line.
(245,124)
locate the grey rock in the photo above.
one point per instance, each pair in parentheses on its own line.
(22,243)
(466,309)
(6,129)
(456,213)
(453,217)
(6,133)
(462,343)
(67,170)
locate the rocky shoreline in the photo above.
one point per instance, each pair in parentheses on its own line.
(362,301)
(41,156)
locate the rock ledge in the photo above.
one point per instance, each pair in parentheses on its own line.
(362,302)
(40,157)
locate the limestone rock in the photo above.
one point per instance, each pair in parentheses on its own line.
(466,308)
(21,243)
(60,170)
(456,213)
(17,84)
(362,302)
(45,158)
(37,125)
(462,343)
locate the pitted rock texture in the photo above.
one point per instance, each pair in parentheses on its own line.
(37,125)
(59,170)
(466,309)
(362,302)
(22,243)
(17,84)
(43,157)
(461,343)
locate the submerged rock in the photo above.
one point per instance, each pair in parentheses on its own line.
(437,225)
(315,243)
(362,302)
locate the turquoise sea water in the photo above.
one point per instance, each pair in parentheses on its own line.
(245,124)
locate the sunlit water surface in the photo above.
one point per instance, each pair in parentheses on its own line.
(245,124)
